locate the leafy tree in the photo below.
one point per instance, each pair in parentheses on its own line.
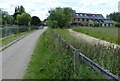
(6,18)
(23,19)
(21,10)
(44,22)
(60,17)
(35,21)
(114,16)
(9,19)
(18,11)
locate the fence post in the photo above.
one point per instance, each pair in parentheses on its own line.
(76,61)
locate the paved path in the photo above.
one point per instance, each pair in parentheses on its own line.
(16,57)
(91,39)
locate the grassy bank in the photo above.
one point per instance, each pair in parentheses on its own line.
(9,39)
(51,60)
(105,33)
(109,58)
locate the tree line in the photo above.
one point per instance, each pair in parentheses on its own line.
(20,17)
(114,16)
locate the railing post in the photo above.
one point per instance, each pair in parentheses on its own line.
(76,61)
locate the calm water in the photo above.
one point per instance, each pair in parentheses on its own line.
(11,30)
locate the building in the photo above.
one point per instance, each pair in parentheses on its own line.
(119,6)
(87,19)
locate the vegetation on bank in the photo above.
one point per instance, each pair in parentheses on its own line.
(7,40)
(51,60)
(105,33)
(107,57)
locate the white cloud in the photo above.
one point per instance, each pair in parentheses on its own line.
(40,7)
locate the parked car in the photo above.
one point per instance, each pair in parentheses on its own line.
(40,27)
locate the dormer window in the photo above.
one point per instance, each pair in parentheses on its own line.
(81,15)
(77,14)
(85,15)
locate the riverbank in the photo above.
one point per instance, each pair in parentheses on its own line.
(5,42)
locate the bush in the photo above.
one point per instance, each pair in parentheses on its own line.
(117,24)
(96,24)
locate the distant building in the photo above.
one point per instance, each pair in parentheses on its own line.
(87,19)
(119,6)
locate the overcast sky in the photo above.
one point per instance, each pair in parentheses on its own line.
(40,7)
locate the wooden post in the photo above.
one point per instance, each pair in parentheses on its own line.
(76,61)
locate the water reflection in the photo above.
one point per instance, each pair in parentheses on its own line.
(11,30)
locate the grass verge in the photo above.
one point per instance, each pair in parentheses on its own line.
(51,60)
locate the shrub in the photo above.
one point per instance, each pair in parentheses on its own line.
(117,24)
(96,24)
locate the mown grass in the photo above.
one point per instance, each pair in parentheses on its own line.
(107,57)
(9,39)
(105,33)
(51,60)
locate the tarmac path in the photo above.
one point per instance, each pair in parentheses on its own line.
(16,57)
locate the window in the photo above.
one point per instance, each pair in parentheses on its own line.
(87,19)
(78,19)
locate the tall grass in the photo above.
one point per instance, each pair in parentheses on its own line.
(107,57)
(104,33)
(51,60)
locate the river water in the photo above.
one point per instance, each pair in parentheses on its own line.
(11,30)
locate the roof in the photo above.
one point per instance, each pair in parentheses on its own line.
(88,15)
(94,17)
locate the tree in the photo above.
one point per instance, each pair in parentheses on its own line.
(21,9)
(35,21)
(18,11)
(23,19)
(60,17)
(9,19)
(6,18)
(114,16)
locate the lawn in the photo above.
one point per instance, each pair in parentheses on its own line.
(51,60)
(105,33)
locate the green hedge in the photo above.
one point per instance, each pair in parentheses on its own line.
(117,24)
